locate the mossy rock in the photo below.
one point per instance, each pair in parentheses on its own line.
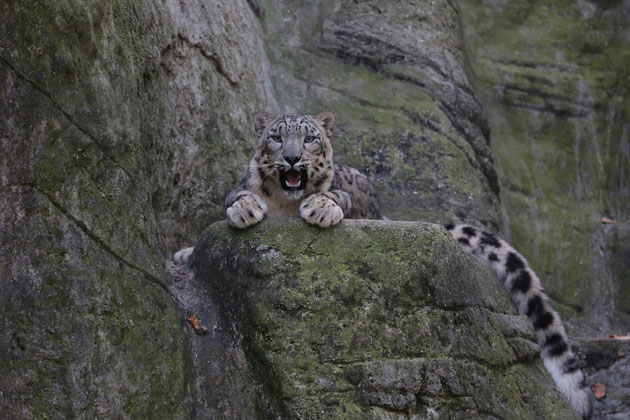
(86,333)
(116,121)
(553,78)
(372,319)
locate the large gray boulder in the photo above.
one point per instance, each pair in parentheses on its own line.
(370,319)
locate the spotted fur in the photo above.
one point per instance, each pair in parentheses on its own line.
(524,287)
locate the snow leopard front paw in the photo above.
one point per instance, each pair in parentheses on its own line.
(248,210)
(321,210)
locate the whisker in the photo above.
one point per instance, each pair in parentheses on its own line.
(269,173)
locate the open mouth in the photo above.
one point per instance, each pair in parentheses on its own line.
(293,179)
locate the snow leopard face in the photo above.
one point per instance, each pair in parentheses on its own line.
(294,154)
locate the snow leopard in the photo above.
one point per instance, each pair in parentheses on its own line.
(292,173)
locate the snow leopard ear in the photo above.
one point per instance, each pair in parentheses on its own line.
(261,121)
(327,120)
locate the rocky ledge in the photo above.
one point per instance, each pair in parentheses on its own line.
(370,319)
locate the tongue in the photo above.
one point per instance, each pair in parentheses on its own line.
(293,178)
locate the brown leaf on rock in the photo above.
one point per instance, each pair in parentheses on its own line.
(194,321)
(199,329)
(607,221)
(619,337)
(599,390)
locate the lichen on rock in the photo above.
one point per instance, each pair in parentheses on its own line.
(373,319)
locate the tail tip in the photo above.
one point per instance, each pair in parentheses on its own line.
(582,402)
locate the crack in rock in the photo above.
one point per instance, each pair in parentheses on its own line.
(41,89)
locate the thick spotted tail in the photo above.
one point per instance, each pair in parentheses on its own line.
(524,288)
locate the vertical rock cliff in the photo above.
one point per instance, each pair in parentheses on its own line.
(554,80)
(121,127)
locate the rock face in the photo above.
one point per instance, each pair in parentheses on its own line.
(553,79)
(370,319)
(108,114)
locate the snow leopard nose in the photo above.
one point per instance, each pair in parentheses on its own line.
(292,159)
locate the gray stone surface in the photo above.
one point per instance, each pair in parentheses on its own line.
(553,77)
(608,363)
(371,320)
(111,117)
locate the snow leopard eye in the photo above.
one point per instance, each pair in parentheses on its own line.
(276,138)
(309,139)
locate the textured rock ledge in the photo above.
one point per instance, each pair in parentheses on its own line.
(370,319)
